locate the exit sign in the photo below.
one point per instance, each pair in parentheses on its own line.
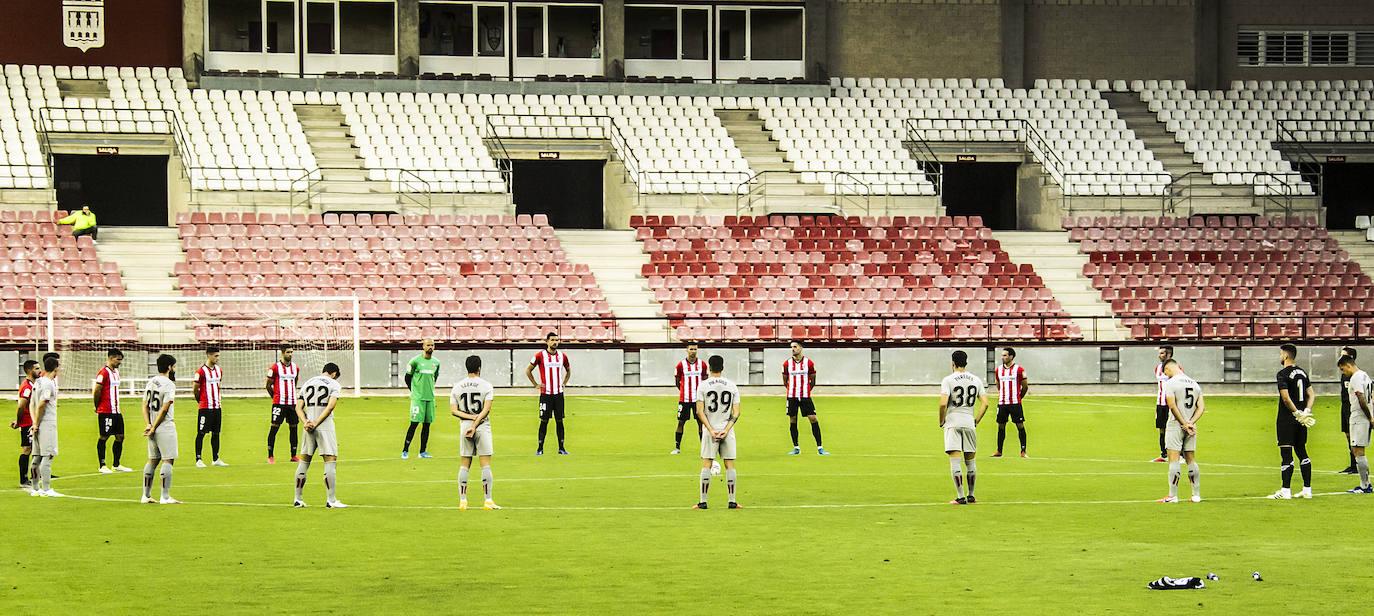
(1338,158)
(965,158)
(548,156)
(106,149)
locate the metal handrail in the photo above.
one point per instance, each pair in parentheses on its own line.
(1263,193)
(169,116)
(1180,192)
(750,191)
(503,163)
(311,179)
(613,134)
(408,178)
(1315,178)
(840,199)
(925,156)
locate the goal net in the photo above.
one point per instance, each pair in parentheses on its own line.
(249,331)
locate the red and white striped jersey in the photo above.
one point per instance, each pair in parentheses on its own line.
(689,377)
(1009,383)
(25,393)
(283,382)
(1160,376)
(551,367)
(108,379)
(209,379)
(797,376)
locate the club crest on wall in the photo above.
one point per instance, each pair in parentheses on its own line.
(83,23)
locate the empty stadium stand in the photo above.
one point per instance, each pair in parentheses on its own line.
(1224,277)
(757,278)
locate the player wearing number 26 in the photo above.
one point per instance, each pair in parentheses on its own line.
(717,403)
(959,393)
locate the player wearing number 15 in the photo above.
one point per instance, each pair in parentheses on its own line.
(717,403)
(959,393)
(315,408)
(158,398)
(470,401)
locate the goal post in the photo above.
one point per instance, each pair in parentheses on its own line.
(249,331)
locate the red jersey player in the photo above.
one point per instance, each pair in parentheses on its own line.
(554,372)
(799,375)
(687,377)
(207,394)
(23,420)
(1012,385)
(281,386)
(109,420)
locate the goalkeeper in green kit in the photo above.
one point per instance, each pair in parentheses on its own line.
(421,374)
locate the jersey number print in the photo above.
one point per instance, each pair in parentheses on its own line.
(471,402)
(717,402)
(154,400)
(316,395)
(963,396)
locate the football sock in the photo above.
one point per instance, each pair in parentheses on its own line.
(705,483)
(793,427)
(730,482)
(300,477)
(1162,452)
(1001,435)
(45,472)
(972,474)
(1352,455)
(1021,432)
(558,427)
(23,468)
(1286,470)
(118,450)
(100,450)
(272,439)
(329,483)
(1362,466)
(1175,469)
(148,480)
(200,440)
(214,445)
(1195,478)
(816,432)
(543,429)
(424,437)
(294,439)
(487,479)
(1304,463)
(410,435)
(957,472)
(463,483)
(166,480)
(677,444)
(34,461)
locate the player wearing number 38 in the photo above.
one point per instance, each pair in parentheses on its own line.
(959,393)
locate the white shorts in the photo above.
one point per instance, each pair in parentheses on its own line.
(321,441)
(710,447)
(479,444)
(1359,432)
(162,443)
(45,442)
(961,439)
(1175,439)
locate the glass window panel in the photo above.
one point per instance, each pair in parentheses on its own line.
(491,31)
(445,29)
(367,27)
(574,31)
(732,34)
(696,34)
(281,27)
(529,31)
(235,25)
(650,32)
(319,27)
(775,34)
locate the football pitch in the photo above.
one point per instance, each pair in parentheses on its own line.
(1074,528)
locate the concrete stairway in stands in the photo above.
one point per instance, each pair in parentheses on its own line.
(1060,265)
(615,258)
(1361,250)
(344,181)
(146,257)
(783,190)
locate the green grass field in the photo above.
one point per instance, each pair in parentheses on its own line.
(866,530)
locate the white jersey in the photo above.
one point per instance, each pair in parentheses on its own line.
(1360,383)
(964,390)
(317,392)
(159,391)
(718,396)
(1187,395)
(470,395)
(1160,378)
(44,397)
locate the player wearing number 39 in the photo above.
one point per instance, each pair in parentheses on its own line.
(158,398)
(1183,396)
(958,394)
(718,411)
(315,409)
(470,401)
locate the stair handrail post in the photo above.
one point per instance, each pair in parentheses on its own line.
(926,157)
(1287,136)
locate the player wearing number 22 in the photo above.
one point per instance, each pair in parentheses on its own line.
(717,402)
(315,409)
(158,399)
(470,401)
(959,393)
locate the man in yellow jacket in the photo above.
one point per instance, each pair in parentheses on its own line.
(83,222)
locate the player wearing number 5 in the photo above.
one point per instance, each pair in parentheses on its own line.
(959,393)
(470,401)
(717,403)
(1184,398)
(315,409)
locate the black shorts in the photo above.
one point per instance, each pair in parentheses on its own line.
(1291,433)
(550,406)
(207,420)
(284,412)
(25,439)
(1010,411)
(804,406)
(1345,419)
(110,424)
(1161,416)
(686,410)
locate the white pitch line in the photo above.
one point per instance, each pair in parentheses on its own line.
(611,400)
